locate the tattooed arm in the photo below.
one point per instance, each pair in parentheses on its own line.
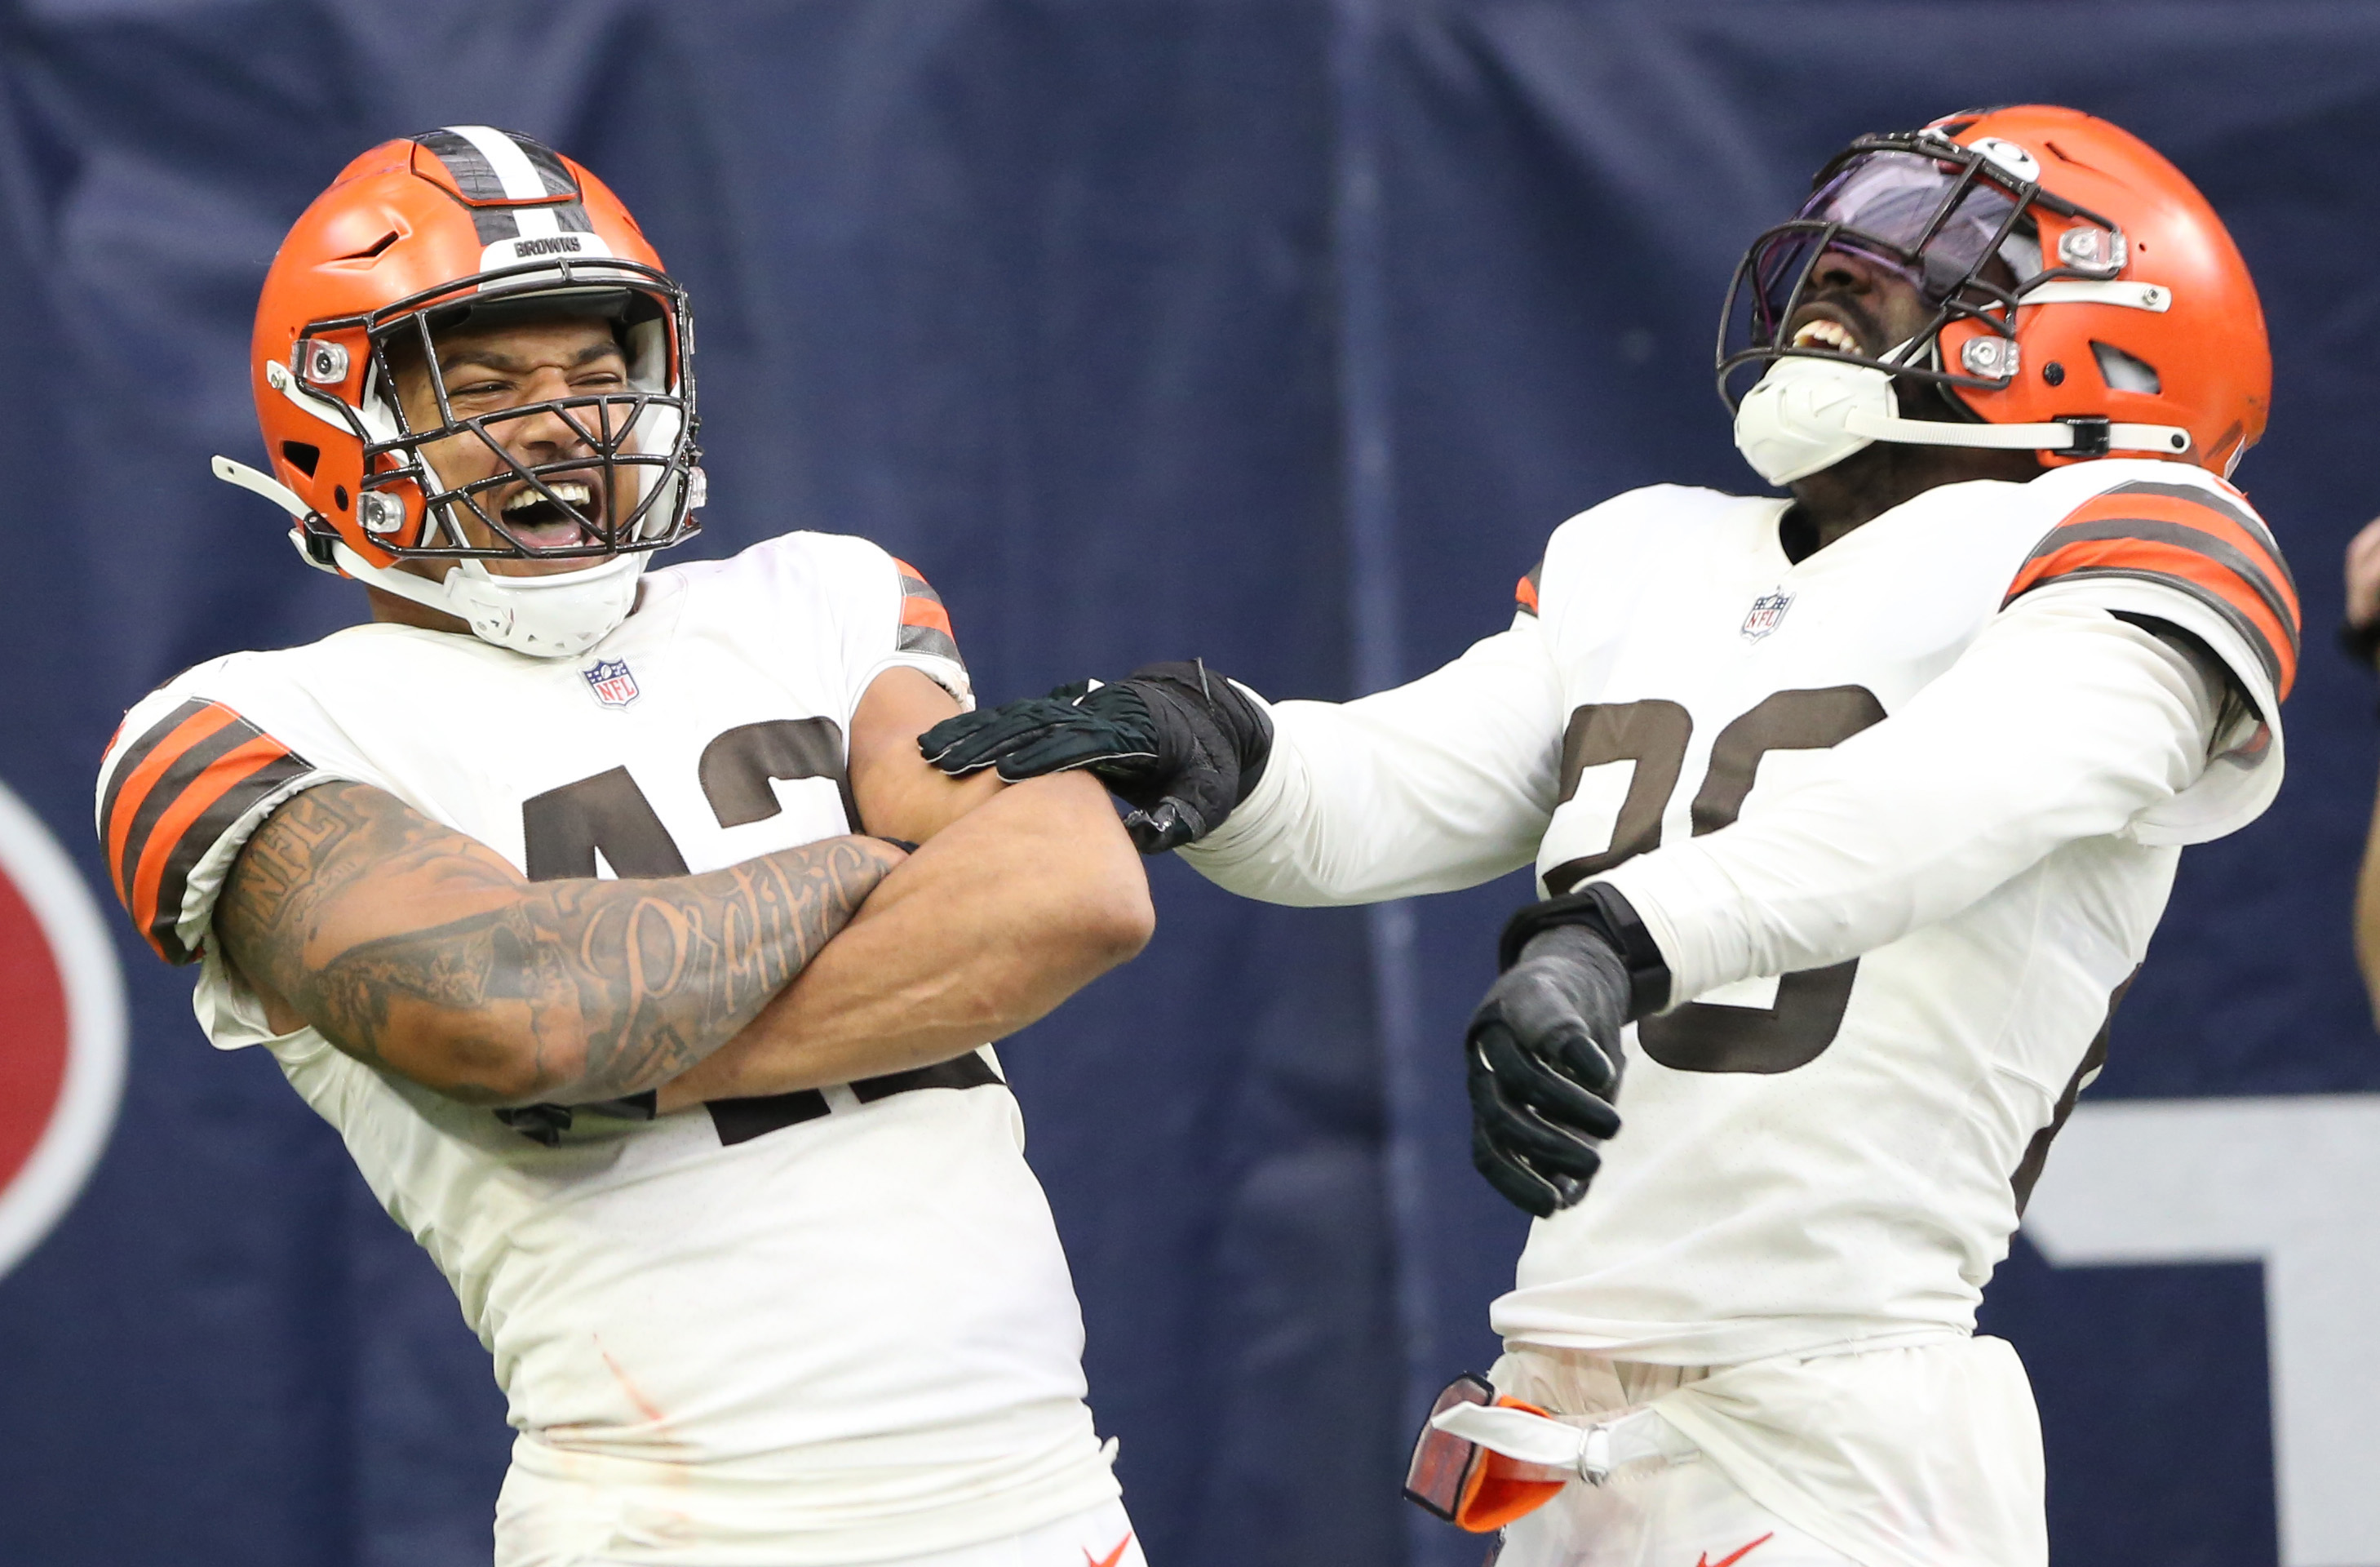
(420,951)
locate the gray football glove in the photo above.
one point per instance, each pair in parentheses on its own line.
(1543,1049)
(1543,1053)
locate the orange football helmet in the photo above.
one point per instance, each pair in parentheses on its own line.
(2086,299)
(418,237)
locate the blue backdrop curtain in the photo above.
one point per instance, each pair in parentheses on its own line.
(1279,333)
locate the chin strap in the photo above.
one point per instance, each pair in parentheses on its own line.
(2084,435)
(2089,437)
(259,483)
(555,616)
(241,476)
(1807,413)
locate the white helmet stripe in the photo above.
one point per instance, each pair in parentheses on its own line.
(513,170)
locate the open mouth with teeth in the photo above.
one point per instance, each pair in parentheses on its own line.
(1828,335)
(537,523)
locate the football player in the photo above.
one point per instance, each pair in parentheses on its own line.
(548,889)
(1853,810)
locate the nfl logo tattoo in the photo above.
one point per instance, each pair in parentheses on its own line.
(610,682)
(1767,612)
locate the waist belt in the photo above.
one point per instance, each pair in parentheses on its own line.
(740,1121)
(1482,1460)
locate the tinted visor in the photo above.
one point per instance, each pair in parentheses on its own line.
(1937,223)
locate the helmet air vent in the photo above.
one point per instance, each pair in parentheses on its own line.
(302,456)
(372,249)
(2122,372)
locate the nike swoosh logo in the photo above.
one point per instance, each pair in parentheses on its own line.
(1111,1558)
(1702,1558)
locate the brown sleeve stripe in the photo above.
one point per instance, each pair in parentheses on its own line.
(229,787)
(136,779)
(924,624)
(2168,534)
(178,789)
(2281,610)
(2248,521)
(1524,597)
(2185,507)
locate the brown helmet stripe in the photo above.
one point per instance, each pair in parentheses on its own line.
(474,176)
(495,194)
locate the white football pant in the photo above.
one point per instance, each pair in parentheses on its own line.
(1680,1514)
(1097,1536)
(1102,1536)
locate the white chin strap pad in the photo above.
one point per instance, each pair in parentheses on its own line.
(1798,419)
(556,616)
(1808,414)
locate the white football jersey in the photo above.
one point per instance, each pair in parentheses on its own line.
(1900,816)
(837,1325)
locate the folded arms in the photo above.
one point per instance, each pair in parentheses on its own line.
(419,950)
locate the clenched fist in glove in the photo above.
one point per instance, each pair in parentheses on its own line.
(1179,743)
(1543,1049)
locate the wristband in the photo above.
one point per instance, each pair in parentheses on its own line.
(1601,909)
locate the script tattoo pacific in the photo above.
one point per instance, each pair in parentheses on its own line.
(621,984)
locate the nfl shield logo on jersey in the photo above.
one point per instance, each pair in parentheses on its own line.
(610,682)
(1765,614)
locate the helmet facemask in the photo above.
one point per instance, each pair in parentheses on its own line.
(638,454)
(637,451)
(1958,226)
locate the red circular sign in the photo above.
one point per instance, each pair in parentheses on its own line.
(61,1031)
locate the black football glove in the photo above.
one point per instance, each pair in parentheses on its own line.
(1543,1049)
(1179,743)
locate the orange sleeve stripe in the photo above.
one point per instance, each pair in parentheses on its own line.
(221,777)
(920,605)
(2125,506)
(2198,541)
(2072,548)
(2175,563)
(918,610)
(135,789)
(1525,595)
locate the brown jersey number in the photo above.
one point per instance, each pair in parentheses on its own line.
(1809,1008)
(564,828)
